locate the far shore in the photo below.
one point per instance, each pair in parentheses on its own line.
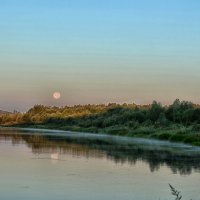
(178,122)
(154,143)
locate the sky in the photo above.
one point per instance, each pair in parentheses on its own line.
(98,51)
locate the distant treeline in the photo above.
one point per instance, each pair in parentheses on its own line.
(163,122)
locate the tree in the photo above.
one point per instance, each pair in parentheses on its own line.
(155,110)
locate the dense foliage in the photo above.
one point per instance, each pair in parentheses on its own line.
(178,122)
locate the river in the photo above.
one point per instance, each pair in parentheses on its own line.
(59,165)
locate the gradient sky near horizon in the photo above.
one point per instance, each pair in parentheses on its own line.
(98,51)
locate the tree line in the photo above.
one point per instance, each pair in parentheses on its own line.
(101,116)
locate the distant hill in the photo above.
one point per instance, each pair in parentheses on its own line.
(4,112)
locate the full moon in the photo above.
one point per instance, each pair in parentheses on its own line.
(56,95)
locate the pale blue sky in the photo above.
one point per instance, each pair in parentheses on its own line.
(96,51)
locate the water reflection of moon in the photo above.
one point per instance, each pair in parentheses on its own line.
(54,156)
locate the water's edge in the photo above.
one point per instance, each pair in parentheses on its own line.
(122,139)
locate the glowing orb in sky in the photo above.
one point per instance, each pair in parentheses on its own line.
(56,95)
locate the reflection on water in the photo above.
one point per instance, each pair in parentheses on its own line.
(112,148)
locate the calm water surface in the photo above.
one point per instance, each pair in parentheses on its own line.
(68,166)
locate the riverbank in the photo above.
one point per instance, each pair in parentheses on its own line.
(178,134)
(179,122)
(93,138)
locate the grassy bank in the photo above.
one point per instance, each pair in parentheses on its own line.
(178,134)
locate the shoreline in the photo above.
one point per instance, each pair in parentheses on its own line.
(170,135)
(156,143)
